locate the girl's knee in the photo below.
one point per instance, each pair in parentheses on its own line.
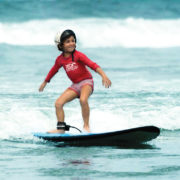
(59,104)
(83,101)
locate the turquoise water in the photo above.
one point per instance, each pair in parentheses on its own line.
(137,46)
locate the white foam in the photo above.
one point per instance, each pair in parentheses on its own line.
(20,121)
(95,32)
(166,118)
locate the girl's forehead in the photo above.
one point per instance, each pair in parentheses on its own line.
(69,38)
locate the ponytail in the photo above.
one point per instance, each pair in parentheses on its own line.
(73,55)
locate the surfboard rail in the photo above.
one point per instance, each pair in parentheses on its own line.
(136,135)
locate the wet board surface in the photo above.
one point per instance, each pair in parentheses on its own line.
(129,136)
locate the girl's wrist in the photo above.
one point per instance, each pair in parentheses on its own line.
(104,76)
(101,72)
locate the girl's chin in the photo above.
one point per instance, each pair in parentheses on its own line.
(70,50)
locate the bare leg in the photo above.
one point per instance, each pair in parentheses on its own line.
(67,96)
(85,93)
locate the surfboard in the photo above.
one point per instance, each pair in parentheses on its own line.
(129,136)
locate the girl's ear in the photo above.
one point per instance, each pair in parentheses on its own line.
(60,47)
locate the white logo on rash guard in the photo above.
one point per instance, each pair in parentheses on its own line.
(71,67)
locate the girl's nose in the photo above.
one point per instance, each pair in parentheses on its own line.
(72,43)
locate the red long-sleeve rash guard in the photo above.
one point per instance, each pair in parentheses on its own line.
(76,70)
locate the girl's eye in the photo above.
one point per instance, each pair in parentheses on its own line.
(70,40)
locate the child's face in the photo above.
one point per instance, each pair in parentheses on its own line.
(69,45)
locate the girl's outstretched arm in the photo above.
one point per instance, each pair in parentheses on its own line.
(51,73)
(105,80)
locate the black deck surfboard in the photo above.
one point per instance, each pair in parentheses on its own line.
(137,135)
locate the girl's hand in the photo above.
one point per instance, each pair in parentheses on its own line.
(106,82)
(43,85)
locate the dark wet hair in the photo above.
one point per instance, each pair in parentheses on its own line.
(65,35)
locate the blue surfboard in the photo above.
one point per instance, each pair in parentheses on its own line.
(137,135)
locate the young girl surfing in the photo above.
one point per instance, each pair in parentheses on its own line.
(74,63)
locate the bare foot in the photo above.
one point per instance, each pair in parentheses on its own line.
(56,131)
(86,129)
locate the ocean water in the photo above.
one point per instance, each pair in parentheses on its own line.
(135,42)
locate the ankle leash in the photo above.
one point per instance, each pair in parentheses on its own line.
(65,127)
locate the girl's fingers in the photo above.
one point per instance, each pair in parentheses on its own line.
(107,83)
(41,88)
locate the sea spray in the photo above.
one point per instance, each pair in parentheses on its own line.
(96,32)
